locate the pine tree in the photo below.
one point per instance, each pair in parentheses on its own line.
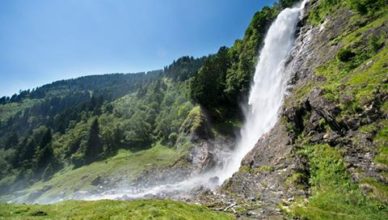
(45,152)
(94,144)
(12,141)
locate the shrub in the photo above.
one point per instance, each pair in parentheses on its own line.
(376,43)
(345,55)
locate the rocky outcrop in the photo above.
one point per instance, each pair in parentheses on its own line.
(201,157)
(273,173)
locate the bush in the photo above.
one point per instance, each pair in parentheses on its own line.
(345,55)
(367,6)
(376,43)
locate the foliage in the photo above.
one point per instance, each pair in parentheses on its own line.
(285,3)
(90,118)
(244,54)
(325,7)
(345,55)
(183,68)
(196,123)
(94,143)
(109,85)
(352,80)
(381,141)
(126,166)
(207,87)
(334,195)
(367,6)
(225,77)
(107,209)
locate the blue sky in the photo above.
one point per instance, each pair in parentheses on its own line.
(46,40)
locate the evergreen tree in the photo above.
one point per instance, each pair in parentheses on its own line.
(94,144)
(25,152)
(46,139)
(45,153)
(207,87)
(44,157)
(12,141)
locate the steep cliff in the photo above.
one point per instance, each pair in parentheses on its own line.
(326,157)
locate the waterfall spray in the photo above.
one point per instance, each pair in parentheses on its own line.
(266,97)
(269,86)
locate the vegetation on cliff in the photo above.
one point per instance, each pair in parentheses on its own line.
(346,148)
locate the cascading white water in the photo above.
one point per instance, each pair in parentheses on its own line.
(269,86)
(266,97)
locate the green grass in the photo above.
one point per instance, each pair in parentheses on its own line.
(256,170)
(378,190)
(360,84)
(299,94)
(108,209)
(354,82)
(195,119)
(365,82)
(227,127)
(125,166)
(295,180)
(350,38)
(334,195)
(381,140)
(323,9)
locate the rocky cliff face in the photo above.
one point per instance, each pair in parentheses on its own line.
(279,176)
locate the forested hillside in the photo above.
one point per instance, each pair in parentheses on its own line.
(79,121)
(71,123)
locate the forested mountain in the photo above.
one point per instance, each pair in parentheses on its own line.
(134,111)
(78,121)
(326,157)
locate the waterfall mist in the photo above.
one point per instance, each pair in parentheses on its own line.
(261,113)
(265,100)
(269,87)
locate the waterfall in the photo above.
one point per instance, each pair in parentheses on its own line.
(269,87)
(266,97)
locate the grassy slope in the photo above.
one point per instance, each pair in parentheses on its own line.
(334,195)
(107,209)
(125,166)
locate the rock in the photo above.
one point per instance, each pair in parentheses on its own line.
(97,181)
(317,137)
(38,213)
(251,213)
(214,180)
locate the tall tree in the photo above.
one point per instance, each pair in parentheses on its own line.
(94,144)
(45,153)
(25,152)
(12,141)
(207,87)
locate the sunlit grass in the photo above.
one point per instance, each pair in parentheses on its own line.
(108,209)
